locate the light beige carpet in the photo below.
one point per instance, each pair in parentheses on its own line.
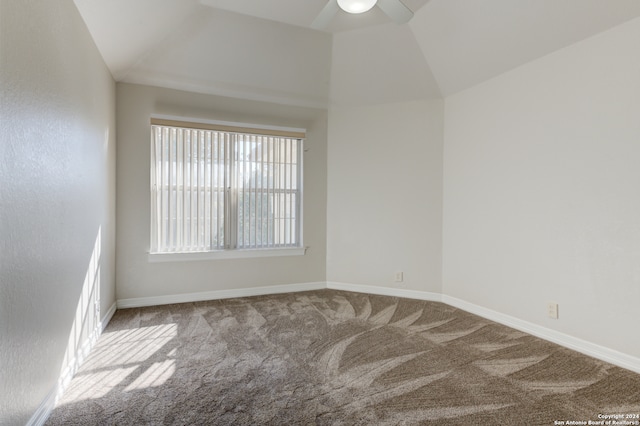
(333,358)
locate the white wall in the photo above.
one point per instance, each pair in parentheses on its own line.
(57,168)
(136,277)
(541,184)
(378,65)
(385,195)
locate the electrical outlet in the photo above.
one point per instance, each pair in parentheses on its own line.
(399,277)
(552,310)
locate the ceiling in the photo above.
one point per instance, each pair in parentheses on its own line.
(266,50)
(302,13)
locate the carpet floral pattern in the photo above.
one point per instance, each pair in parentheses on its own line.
(333,358)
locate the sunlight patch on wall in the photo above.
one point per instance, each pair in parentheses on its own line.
(86,326)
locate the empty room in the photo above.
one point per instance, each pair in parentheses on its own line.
(330,212)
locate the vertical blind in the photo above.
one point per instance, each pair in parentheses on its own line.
(217,189)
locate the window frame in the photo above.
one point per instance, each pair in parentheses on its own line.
(232,201)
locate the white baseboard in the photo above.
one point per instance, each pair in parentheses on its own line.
(386,291)
(44,409)
(107,317)
(591,349)
(217,294)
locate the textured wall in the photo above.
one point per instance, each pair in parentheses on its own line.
(541,183)
(137,277)
(57,213)
(385,195)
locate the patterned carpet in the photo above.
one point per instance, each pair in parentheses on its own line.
(334,358)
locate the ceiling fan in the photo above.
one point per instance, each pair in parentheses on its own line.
(395,9)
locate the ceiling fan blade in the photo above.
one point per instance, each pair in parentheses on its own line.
(325,16)
(396,10)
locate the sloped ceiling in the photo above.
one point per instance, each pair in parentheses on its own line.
(220,52)
(469,41)
(266,50)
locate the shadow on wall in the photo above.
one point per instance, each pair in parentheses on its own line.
(86,326)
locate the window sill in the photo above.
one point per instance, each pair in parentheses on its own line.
(224,254)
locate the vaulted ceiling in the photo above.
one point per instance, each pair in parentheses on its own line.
(266,49)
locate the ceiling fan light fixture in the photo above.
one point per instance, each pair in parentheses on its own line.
(356,6)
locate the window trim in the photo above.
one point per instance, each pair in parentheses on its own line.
(228,126)
(244,128)
(225,254)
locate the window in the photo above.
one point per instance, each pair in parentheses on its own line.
(222,188)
